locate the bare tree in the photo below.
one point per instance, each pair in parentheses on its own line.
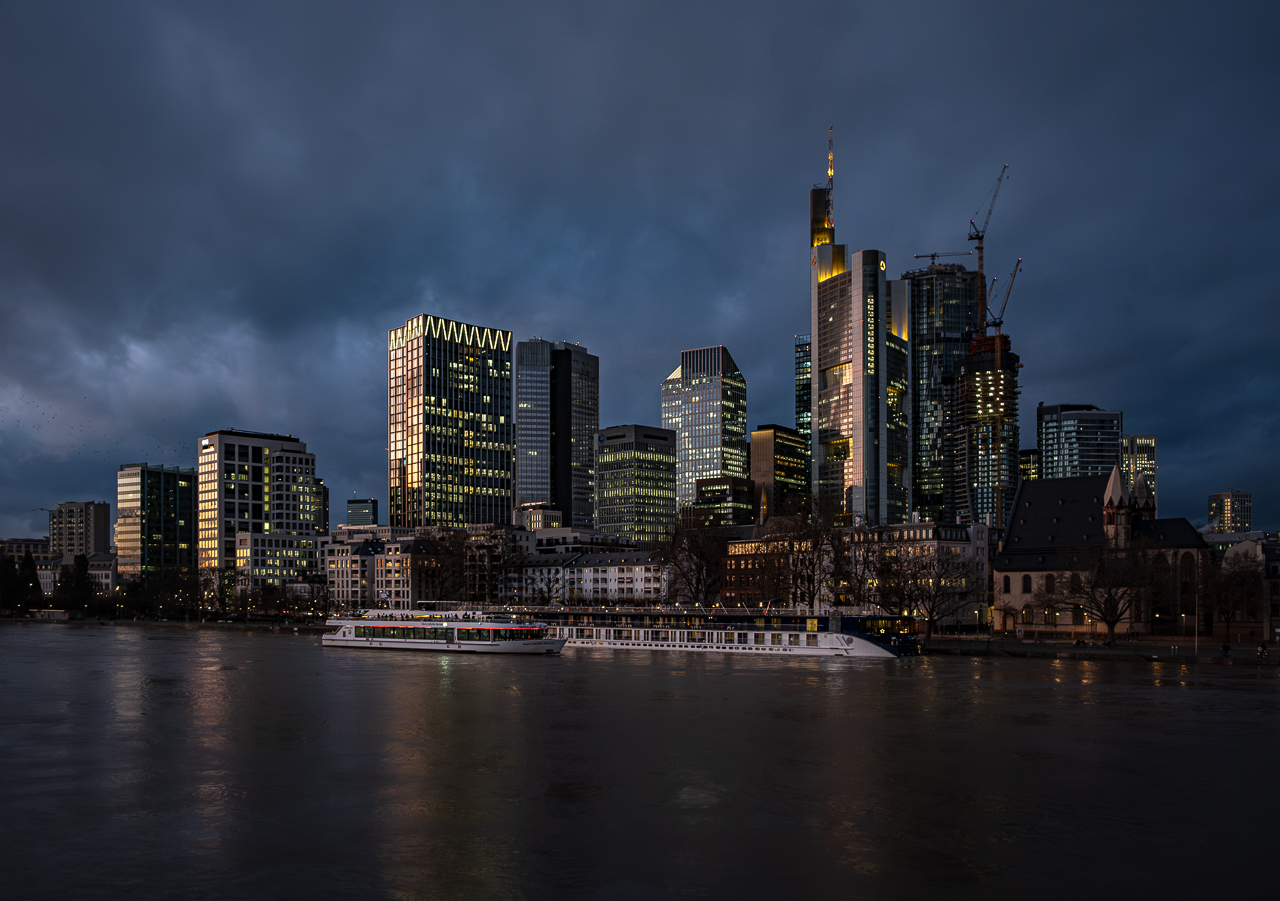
(693,551)
(928,580)
(546,583)
(1110,584)
(1233,591)
(218,585)
(817,550)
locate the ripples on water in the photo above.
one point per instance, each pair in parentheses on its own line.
(163,763)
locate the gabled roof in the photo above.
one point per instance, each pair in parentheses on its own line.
(1169,533)
(1055,514)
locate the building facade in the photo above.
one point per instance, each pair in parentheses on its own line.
(636,483)
(723,501)
(449,428)
(704,401)
(987,458)
(804,402)
(362,512)
(946,315)
(80,527)
(779,467)
(264,486)
(1077,440)
(861,451)
(557,418)
(1061,527)
(1231,511)
(1138,455)
(155,520)
(1029,463)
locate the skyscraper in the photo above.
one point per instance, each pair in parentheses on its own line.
(986,432)
(449,430)
(1231,511)
(636,483)
(80,527)
(557,419)
(259,505)
(1138,455)
(704,401)
(155,520)
(1077,440)
(946,315)
(779,468)
(804,402)
(362,511)
(861,393)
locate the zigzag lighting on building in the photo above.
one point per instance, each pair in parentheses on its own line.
(449,430)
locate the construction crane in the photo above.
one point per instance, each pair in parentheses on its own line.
(996,321)
(933,257)
(980,234)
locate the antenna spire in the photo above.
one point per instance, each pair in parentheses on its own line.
(831,173)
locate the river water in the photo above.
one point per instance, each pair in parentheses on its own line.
(164,763)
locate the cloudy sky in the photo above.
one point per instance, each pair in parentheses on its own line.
(210,214)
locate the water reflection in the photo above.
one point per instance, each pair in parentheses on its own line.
(211,764)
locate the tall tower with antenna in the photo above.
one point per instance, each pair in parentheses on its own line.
(860,411)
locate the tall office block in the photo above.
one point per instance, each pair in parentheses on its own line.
(1138,455)
(861,393)
(557,419)
(779,466)
(1077,440)
(804,401)
(80,527)
(155,520)
(946,314)
(362,512)
(636,483)
(449,430)
(1029,463)
(264,487)
(705,403)
(1231,511)
(988,461)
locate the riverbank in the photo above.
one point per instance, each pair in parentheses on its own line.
(1145,652)
(280,628)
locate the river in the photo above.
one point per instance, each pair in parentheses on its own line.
(171,763)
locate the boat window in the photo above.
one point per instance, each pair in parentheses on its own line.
(742,637)
(794,639)
(759,638)
(775,638)
(811,640)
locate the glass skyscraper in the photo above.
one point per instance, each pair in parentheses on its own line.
(804,401)
(1077,440)
(861,391)
(155,520)
(705,403)
(945,316)
(636,483)
(449,429)
(1138,455)
(557,420)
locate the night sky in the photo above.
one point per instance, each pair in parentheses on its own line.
(210,214)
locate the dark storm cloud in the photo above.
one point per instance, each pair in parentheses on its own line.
(211,214)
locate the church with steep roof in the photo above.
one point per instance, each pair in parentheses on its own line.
(1059,527)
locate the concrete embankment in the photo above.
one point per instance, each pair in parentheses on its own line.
(1146,654)
(280,628)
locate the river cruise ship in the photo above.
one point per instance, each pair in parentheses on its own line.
(468,632)
(700,630)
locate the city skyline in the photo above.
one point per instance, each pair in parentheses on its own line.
(143,318)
